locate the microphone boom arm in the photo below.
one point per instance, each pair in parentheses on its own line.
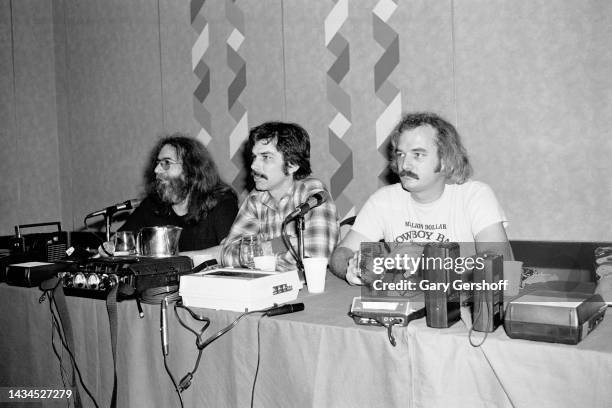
(108,213)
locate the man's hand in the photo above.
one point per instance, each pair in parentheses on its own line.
(344,261)
(106,249)
(353,272)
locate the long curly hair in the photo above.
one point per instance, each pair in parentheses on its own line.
(200,171)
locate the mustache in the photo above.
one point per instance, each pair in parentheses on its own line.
(408,173)
(255,173)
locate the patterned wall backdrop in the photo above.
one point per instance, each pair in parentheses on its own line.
(238,112)
(117,74)
(389,95)
(321,76)
(337,75)
(341,101)
(201,71)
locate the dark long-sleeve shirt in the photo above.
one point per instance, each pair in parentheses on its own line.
(208,232)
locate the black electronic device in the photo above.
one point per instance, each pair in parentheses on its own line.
(30,274)
(381,312)
(42,246)
(488,306)
(133,274)
(442,305)
(10,259)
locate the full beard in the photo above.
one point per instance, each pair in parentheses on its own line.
(172,190)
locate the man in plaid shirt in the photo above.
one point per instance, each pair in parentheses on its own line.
(280,166)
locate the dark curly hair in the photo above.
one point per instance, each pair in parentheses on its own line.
(291,140)
(201,174)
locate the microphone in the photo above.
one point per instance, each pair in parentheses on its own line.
(291,308)
(126,205)
(313,201)
(164,326)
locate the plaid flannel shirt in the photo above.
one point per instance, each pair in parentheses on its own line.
(261,215)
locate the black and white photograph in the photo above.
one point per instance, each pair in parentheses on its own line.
(305,203)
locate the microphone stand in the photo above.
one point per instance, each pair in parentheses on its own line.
(299,254)
(107,221)
(300,226)
(108,213)
(108,216)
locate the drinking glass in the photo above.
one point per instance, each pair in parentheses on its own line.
(250,247)
(125,244)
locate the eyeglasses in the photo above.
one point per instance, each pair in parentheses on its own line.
(166,163)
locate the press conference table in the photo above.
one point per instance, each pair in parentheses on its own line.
(314,358)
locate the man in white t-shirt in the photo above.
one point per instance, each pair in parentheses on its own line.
(435,201)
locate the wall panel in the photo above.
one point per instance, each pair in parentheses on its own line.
(31,180)
(9,180)
(307,60)
(62,82)
(533,96)
(243,58)
(114,98)
(177,79)
(422,77)
(97,81)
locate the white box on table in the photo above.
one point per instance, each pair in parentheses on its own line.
(238,289)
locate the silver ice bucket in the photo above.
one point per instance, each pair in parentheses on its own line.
(158,241)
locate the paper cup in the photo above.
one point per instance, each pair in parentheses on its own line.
(315,269)
(513,271)
(265,263)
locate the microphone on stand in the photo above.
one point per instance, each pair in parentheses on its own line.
(109,211)
(313,201)
(126,205)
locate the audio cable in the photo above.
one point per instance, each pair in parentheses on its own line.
(163,328)
(477,317)
(201,343)
(153,296)
(55,315)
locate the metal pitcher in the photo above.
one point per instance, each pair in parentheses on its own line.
(158,241)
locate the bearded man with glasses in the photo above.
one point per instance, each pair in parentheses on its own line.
(183,188)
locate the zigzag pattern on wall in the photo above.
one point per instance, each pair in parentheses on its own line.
(341,101)
(201,71)
(236,110)
(385,90)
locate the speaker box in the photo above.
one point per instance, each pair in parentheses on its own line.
(488,308)
(441,307)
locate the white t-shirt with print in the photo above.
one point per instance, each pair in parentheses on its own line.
(461,212)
